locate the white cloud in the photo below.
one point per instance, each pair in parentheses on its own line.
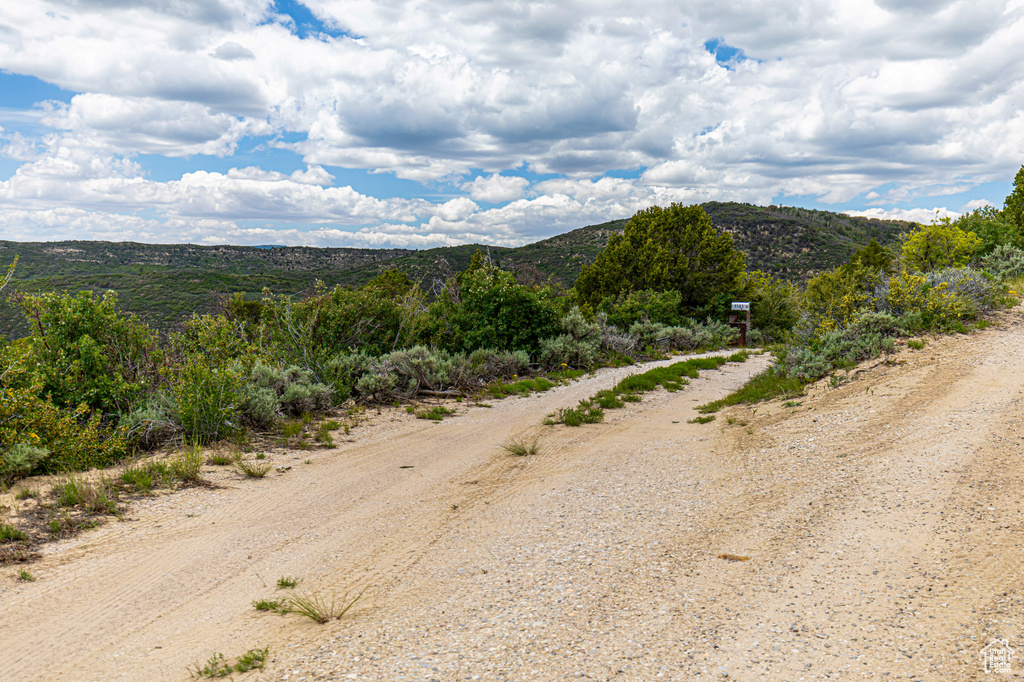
(977,203)
(925,216)
(152,126)
(496,188)
(891,100)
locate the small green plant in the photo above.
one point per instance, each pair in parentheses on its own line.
(436,413)
(584,413)
(25,577)
(287,581)
(55,526)
(521,447)
(701,420)
(320,609)
(792,403)
(253,468)
(323,433)
(221,459)
(138,478)
(632,397)
(27,493)
(291,429)
(187,465)
(411,409)
(215,666)
(261,455)
(608,400)
(11,534)
(730,420)
(70,492)
(252,659)
(916,344)
(276,605)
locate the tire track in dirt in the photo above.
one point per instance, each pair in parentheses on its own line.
(882,519)
(144,598)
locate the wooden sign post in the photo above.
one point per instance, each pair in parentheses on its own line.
(744,326)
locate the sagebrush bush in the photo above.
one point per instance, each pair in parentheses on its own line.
(20,459)
(152,424)
(566,350)
(487,363)
(1005,262)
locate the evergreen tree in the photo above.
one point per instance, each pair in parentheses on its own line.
(666,249)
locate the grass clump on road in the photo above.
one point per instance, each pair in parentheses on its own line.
(521,447)
(435,413)
(319,608)
(217,666)
(630,389)
(253,468)
(587,412)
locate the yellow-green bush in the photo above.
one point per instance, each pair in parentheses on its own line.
(939,245)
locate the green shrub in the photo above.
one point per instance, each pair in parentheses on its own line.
(74,439)
(187,465)
(566,350)
(206,399)
(939,245)
(1004,262)
(86,352)
(487,363)
(20,460)
(626,309)
(486,308)
(152,424)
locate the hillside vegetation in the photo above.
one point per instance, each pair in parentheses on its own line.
(92,383)
(164,284)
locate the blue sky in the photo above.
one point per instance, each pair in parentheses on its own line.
(434,122)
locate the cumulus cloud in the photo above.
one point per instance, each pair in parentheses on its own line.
(231,51)
(496,188)
(890,100)
(925,216)
(152,126)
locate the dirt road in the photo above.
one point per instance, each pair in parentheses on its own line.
(882,521)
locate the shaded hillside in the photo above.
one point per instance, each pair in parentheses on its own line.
(795,242)
(165,283)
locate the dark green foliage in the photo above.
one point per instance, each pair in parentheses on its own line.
(873,258)
(486,308)
(666,249)
(1013,208)
(992,227)
(626,309)
(86,352)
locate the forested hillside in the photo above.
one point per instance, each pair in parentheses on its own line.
(164,284)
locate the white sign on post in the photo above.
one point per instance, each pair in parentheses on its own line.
(736,305)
